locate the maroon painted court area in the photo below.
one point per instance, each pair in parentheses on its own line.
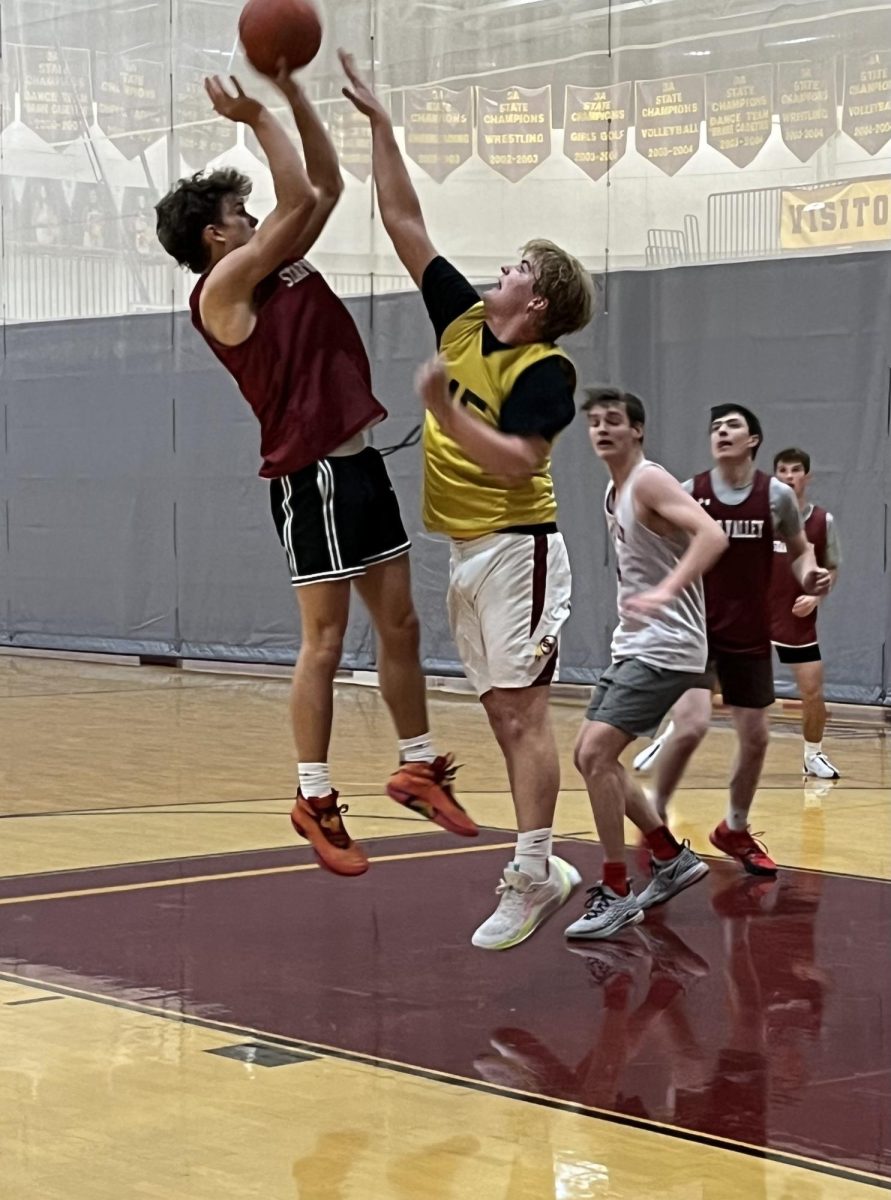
(749,1010)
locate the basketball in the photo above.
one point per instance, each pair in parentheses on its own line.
(275,29)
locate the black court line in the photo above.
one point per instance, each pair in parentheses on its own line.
(36,1000)
(628,1122)
(380,795)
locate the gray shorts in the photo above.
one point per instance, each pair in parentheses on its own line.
(634,697)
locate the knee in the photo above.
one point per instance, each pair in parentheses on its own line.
(510,723)
(810,691)
(401,630)
(322,647)
(592,757)
(689,733)
(755,739)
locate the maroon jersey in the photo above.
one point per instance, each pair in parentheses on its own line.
(737,586)
(785,628)
(303,370)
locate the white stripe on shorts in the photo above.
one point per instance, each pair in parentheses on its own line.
(325,482)
(289,518)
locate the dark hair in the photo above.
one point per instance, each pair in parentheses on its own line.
(793,455)
(754,425)
(609,397)
(192,205)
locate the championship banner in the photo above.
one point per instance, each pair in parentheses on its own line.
(866,117)
(668,120)
(739,112)
(514,129)
(807,104)
(54,88)
(595,128)
(439,129)
(845,215)
(131,102)
(351,135)
(202,134)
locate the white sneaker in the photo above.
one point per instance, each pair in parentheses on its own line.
(645,760)
(524,904)
(606,913)
(672,876)
(819,766)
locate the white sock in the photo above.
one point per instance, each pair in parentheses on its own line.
(738,819)
(666,732)
(811,748)
(314,779)
(532,853)
(417,749)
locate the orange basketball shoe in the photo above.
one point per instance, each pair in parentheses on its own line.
(426,788)
(318,819)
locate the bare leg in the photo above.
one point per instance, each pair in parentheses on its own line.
(809,678)
(521,722)
(386,591)
(691,716)
(324,609)
(753,734)
(612,792)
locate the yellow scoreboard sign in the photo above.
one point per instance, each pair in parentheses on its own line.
(850,214)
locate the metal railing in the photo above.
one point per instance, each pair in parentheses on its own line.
(56,283)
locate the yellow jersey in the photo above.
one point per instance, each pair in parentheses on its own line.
(460,498)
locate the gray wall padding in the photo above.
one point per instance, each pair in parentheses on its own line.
(135,522)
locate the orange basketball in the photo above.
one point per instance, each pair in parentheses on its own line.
(274,29)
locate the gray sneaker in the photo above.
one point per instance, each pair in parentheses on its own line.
(672,876)
(605,914)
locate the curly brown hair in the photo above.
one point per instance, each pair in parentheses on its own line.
(192,205)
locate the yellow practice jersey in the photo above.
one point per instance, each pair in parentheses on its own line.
(460,498)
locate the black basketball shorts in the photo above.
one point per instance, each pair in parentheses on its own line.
(337,517)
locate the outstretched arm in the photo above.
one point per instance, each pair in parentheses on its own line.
(397,198)
(322,166)
(299,215)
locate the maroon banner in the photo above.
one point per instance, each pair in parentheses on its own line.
(595,128)
(439,129)
(739,111)
(55,93)
(131,102)
(807,105)
(202,134)
(351,135)
(514,129)
(866,117)
(668,120)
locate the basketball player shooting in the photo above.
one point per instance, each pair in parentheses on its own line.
(297,357)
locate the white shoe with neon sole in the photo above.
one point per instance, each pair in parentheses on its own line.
(525,904)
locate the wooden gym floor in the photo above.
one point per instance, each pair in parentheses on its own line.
(190,1009)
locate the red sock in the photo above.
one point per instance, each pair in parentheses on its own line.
(662,843)
(615,876)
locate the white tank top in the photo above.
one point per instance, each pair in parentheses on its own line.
(675,638)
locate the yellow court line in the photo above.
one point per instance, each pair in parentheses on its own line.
(166,883)
(337,1054)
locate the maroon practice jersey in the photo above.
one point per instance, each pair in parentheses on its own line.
(785,628)
(737,586)
(303,370)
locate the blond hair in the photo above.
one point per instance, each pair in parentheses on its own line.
(565,284)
